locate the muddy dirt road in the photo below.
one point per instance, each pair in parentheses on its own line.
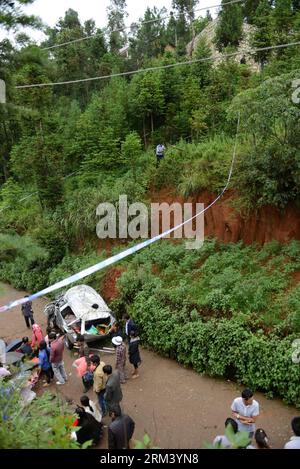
(176,406)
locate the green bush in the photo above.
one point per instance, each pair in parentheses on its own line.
(219,310)
(45,423)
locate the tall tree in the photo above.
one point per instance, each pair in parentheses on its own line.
(283,19)
(79,59)
(147,100)
(185,22)
(149,39)
(230,26)
(116,23)
(12,16)
(263,34)
(250,9)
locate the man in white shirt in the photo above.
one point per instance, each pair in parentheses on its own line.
(294,442)
(245,411)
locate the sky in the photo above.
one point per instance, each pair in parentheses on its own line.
(51,10)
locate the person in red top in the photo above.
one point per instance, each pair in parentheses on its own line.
(56,357)
(37,335)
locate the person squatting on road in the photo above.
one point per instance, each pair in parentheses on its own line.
(261,440)
(91,408)
(90,429)
(221,441)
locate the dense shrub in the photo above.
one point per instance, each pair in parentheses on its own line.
(181,305)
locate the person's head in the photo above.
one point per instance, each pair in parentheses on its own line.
(85,401)
(52,336)
(107,369)
(42,345)
(126,317)
(296,425)
(25,340)
(115,412)
(232,422)
(247,396)
(133,333)
(80,338)
(95,360)
(117,340)
(261,439)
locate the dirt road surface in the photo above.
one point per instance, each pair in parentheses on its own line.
(177,407)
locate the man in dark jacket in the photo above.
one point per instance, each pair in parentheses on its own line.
(129,325)
(113,392)
(27,313)
(120,430)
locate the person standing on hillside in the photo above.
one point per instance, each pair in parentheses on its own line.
(245,411)
(160,153)
(27,313)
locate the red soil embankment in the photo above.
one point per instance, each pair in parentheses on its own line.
(223,222)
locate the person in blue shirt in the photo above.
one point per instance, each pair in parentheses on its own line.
(44,362)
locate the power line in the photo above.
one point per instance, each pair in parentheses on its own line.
(55,46)
(160,67)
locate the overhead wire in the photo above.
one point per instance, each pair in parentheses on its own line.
(154,20)
(161,67)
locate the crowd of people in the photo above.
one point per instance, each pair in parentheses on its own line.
(95,373)
(106,383)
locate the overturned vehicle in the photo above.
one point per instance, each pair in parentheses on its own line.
(80,310)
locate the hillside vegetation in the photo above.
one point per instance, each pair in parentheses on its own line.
(227,310)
